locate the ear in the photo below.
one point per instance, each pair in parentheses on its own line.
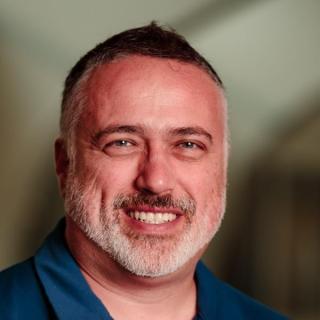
(62,163)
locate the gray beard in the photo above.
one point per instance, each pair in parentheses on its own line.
(142,255)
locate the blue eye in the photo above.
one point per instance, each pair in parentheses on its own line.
(189,149)
(120,147)
(189,145)
(121,143)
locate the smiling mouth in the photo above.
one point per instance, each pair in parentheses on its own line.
(152,217)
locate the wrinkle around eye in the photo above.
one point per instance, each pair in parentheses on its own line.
(120,147)
(190,145)
(190,150)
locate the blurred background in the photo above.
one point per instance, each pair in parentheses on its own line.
(267,53)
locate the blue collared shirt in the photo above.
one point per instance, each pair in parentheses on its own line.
(51,286)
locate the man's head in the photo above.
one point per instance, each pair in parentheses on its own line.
(142,155)
(150,40)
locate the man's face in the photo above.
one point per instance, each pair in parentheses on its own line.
(147,181)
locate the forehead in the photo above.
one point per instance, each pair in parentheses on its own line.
(157,92)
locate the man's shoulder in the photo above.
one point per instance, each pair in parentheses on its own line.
(16,280)
(230,302)
(21,292)
(239,302)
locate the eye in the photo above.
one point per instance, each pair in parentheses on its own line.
(120,143)
(189,150)
(120,147)
(189,145)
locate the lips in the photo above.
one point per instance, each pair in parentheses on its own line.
(146,211)
(152,217)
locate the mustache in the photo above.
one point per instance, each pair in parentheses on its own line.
(186,205)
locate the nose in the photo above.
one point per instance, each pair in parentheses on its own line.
(155,175)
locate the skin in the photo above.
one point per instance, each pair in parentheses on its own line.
(156,97)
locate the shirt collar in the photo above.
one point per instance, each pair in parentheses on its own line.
(207,294)
(70,295)
(64,285)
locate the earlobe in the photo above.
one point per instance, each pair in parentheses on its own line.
(61,163)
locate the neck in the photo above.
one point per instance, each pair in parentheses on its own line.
(127,296)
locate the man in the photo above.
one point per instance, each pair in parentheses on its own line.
(141,163)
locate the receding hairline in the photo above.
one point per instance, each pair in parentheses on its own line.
(91,87)
(84,83)
(173,64)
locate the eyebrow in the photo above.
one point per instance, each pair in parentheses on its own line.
(186,131)
(181,131)
(118,129)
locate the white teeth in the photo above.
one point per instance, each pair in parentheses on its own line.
(151,217)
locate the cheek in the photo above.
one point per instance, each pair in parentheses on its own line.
(114,177)
(203,180)
(206,184)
